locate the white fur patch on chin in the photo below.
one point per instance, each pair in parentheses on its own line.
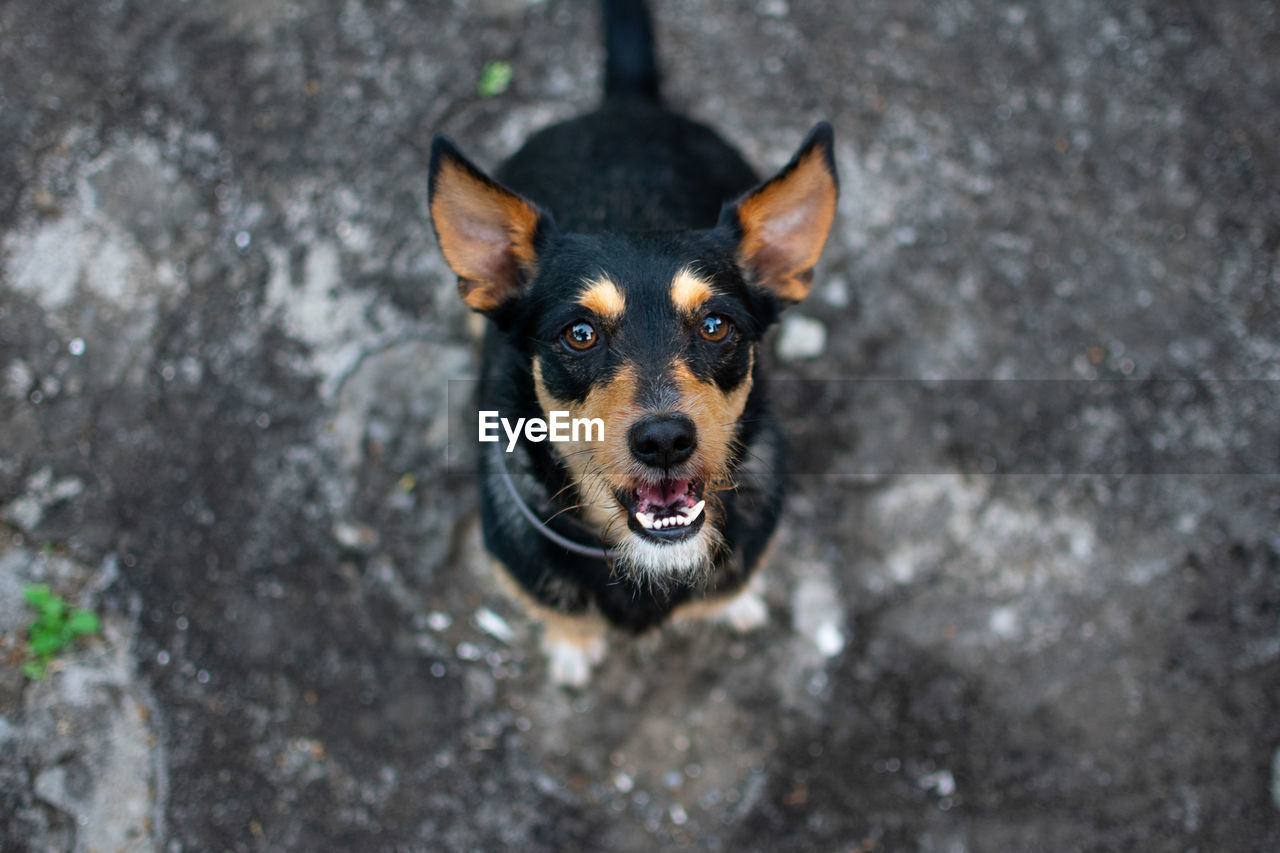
(661,563)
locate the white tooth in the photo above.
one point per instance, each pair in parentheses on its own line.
(662,522)
(645,519)
(696,510)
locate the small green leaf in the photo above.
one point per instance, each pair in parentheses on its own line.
(83,623)
(495,77)
(44,645)
(55,627)
(37,595)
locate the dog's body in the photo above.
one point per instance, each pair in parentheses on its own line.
(623,286)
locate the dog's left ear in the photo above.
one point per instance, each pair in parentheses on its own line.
(488,234)
(782,224)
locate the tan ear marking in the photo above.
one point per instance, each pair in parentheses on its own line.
(784,223)
(486,232)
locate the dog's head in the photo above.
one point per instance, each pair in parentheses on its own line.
(653,333)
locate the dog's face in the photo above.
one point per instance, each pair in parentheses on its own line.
(655,334)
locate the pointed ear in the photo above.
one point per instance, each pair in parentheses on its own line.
(488,234)
(782,224)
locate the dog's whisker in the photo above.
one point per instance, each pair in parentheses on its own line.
(570,508)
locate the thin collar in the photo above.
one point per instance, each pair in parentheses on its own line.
(539,525)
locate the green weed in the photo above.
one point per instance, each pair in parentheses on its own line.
(495,77)
(56,627)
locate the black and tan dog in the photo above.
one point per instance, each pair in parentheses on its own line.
(630,262)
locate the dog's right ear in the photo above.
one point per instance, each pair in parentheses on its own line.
(488,234)
(782,224)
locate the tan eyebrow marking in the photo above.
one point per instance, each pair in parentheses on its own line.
(604,298)
(688,291)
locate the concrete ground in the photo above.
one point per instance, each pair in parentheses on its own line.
(1027,595)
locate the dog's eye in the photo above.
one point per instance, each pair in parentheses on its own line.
(715,327)
(579,336)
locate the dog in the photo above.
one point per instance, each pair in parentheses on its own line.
(629,262)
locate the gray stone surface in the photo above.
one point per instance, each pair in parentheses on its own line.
(1007,619)
(80,767)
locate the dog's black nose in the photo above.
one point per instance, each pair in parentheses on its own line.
(663,441)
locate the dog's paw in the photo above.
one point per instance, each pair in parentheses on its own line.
(570,660)
(745,612)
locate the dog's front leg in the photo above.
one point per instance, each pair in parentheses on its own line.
(573,647)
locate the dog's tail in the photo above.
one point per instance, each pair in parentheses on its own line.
(631,65)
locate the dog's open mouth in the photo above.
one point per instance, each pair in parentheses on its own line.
(667,510)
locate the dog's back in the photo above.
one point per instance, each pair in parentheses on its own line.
(632,165)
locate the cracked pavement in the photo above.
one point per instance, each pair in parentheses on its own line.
(1004,613)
